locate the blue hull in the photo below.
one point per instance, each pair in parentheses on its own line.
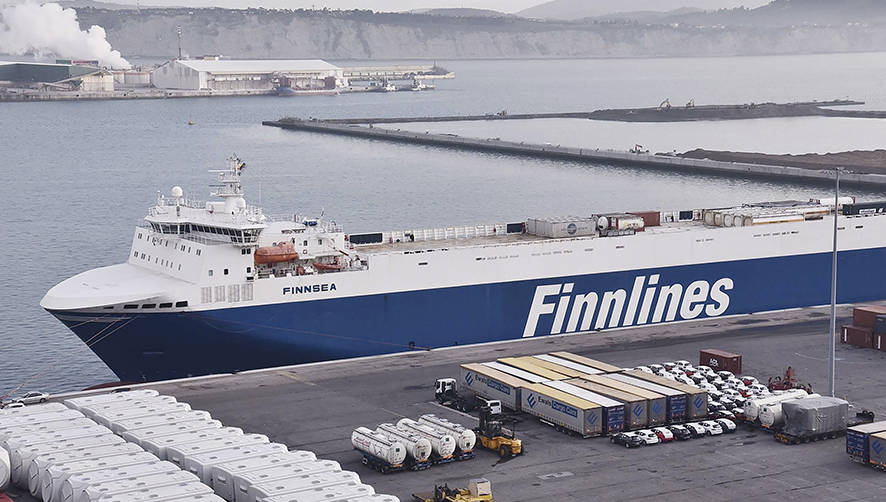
(145,347)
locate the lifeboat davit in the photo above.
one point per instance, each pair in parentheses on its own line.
(328,266)
(280,253)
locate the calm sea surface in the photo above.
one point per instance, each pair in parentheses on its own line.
(78,176)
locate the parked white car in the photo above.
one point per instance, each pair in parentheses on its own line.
(696,429)
(712,428)
(758,390)
(705,370)
(657,368)
(669,366)
(725,375)
(648,436)
(708,387)
(33,398)
(683,363)
(727,425)
(644,369)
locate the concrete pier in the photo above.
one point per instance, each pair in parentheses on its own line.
(658,162)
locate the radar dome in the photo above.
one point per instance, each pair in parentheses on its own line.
(241,203)
(177,191)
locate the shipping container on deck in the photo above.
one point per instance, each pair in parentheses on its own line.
(613,411)
(153,433)
(21,459)
(158,446)
(657,411)
(865,316)
(224,475)
(719,360)
(177,454)
(201,465)
(650,218)
(858,440)
(492,384)
(696,399)
(858,336)
(283,483)
(636,407)
(593,363)
(563,410)
(561,364)
(173,417)
(77,402)
(527,364)
(676,400)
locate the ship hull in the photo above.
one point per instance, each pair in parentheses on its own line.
(155,346)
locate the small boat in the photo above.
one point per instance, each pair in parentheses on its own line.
(324,267)
(282,252)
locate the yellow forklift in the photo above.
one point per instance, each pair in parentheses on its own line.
(478,490)
(494,436)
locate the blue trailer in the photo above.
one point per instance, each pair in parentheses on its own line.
(677,410)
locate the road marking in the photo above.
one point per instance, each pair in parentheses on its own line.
(555,475)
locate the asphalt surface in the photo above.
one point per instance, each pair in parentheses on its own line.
(315,407)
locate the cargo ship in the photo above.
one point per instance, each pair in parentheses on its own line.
(218,286)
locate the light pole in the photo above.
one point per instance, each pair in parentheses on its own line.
(832,346)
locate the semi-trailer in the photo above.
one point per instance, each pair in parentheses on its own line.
(224,476)
(636,407)
(272,477)
(291,485)
(379,452)
(676,400)
(613,411)
(771,415)
(562,411)
(442,444)
(858,441)
(656,413)
(201,464)
(753,406)
(529,365)
(696,398)
(587,361)
(493,384)
(418,448)
(465,439)
(561,365)
(517,372)
(812,419)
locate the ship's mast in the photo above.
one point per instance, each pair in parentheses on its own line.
(230,189)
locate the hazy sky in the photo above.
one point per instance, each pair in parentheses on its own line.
(401,5)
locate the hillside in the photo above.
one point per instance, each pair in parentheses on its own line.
(260,33)
(793,13)
(579,9)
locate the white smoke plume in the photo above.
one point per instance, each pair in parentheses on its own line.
(51,30)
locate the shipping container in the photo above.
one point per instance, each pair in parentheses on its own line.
(560,366)
(562,410)
(613,411)
(880,325)
(527,364)
(696,399)
(877,449)
(282,483)
(223,475)
(593,363)
(492,384)
(619,221)
(857,336)
(656,413)
(676,401)
(561,227)
(636,407)
(719,360)
(858,440)
(201,465)
(650,218)
(865,316)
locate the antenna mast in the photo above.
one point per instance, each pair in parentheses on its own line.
(178,30)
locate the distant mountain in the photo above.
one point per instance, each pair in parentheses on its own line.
(461,12)
(649,16)
(580,9)
(792,13)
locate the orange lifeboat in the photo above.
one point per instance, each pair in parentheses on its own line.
(328,266)
(280,253)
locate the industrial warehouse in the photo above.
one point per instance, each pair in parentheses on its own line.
(229,75)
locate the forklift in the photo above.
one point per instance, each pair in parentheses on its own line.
(478,490)
(494,436)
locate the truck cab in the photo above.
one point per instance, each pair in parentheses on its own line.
(444,388)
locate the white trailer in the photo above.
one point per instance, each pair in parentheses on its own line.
(201,465)
(752,406)
(174,417)
(139,435)
(109,417)
(93,491)
(40,464)
(282,483)
(77,402)
(178,454)
(158,446)
(75,486)
(52,478)
(224,475)
(465,439)
(492,384)
(418,448)
(563,411)
(21,459)
(443,445)
(338,493)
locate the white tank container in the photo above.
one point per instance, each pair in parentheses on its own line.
(174,417)
(417,447)
(223,475)
(40,464)
(294,484)
(17,441)
(158,446)
(139,435)
(97,408)
(77,402)
(201,465)
(198,494)
(367,441)
(21,459)
(76,486)
(111,416)
(41,427)
(5,470)
(465,438)
(93,491)
(752,406)
(336,493)
(12,422)
(242,482)
(31,409)
(771,414)
(443,444)
(178,454)
(52,478)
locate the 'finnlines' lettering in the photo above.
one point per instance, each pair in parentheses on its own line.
(311,288)
(646,303)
